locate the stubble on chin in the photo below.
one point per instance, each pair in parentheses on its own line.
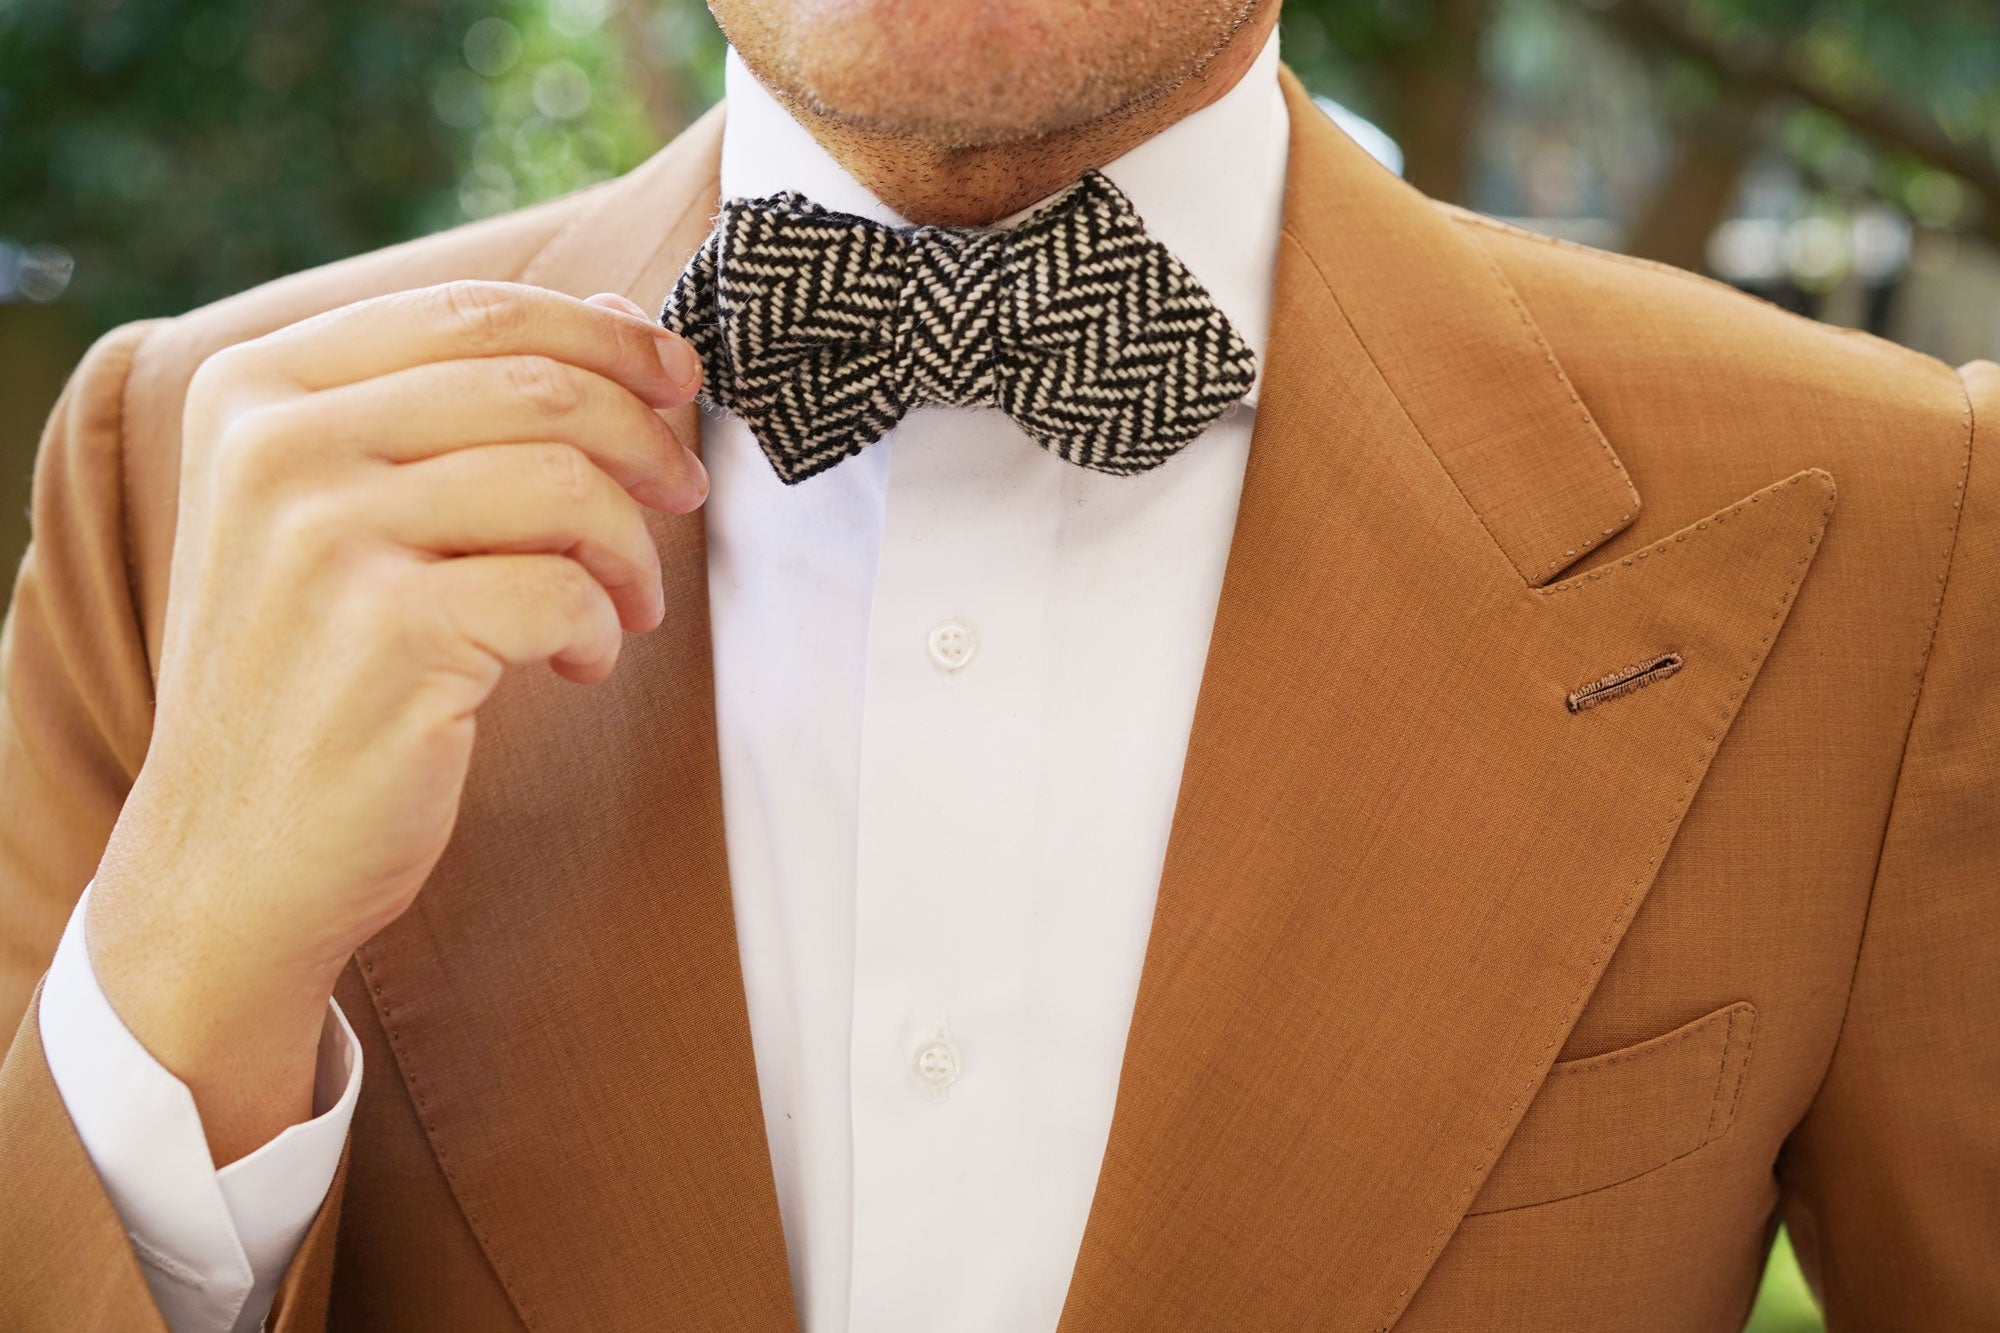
(957,75)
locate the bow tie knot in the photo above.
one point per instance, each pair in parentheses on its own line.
(823,329)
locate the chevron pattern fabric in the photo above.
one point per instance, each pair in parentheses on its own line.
(821,329)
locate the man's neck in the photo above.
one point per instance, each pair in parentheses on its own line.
(928,183)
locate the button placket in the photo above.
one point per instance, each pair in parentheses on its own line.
(946,786)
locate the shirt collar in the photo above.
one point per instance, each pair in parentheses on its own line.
(1209,187)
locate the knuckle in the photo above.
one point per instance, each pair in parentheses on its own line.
(486,315)
(310,528)
(575,590)
(620,571)
(613,644)
(213,373)
(637,350)
(581,600)
(644,558)
(565,473)
(627,556)
(547,385)
(249,456)
(217,378)
(426,625)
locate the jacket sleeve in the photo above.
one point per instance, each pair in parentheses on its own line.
(76,696)
(1892,1179)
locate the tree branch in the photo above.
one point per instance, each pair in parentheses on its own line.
(1655,26)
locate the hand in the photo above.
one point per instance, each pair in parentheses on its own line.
(381,508)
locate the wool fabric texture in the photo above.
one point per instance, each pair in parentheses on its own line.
(821,329)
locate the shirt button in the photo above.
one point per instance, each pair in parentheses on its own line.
(952,644)
(936,1066)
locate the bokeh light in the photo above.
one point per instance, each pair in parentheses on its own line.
(34,273)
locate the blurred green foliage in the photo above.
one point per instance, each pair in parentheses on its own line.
(1900,97)
(184,149)
(1939,58)
(181,150)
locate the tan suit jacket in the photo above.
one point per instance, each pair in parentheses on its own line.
(1461,1010)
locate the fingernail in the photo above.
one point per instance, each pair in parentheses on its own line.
(696,472)
(683,367)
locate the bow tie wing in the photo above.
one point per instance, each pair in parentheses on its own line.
(821,330)
(793,309)
(1115,356)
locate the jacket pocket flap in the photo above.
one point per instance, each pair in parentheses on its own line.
(1604,1120)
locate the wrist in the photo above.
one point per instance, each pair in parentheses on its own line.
(241,1033)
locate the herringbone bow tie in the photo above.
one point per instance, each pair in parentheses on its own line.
(821,329)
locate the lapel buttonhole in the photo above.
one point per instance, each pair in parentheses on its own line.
(1622,682)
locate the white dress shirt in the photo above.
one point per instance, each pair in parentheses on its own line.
(954,682)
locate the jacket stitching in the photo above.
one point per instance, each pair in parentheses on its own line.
(1721,1077)
(1583,1068)
(1605,945)
(1736,1018)
(1742,1070)
(1582,411)
(385,1015)
(1584,1194)
(1645,1050)
(1625,680)
(1721,1069)
(385,1008)
(1390,389)
(1665,545)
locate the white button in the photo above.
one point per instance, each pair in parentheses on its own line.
(953,644)
(935,1065)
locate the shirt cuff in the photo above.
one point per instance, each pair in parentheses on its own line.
(213,1245)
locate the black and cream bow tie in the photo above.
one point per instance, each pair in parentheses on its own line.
(821,329)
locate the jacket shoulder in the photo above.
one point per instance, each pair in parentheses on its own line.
(1707,393)
(497,249)
(159,357)
(1648,345)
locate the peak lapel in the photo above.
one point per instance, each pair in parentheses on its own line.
(1400,862)
(565,1000)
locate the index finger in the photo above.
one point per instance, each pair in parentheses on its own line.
(469,319)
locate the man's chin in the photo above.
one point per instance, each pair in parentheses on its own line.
(966,75)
